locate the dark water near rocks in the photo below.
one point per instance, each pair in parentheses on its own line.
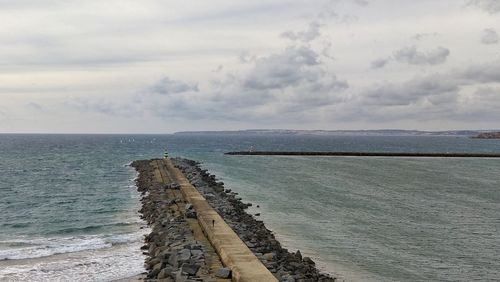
(68,205)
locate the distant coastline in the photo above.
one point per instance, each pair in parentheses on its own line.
(379,132)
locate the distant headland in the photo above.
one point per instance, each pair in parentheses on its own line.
(378,132)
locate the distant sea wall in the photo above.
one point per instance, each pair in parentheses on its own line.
(366,154)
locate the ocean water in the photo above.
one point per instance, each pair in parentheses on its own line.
(69,207)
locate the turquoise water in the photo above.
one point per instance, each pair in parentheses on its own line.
(69,206)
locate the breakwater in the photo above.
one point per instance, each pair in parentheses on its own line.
(173,253)
(367,154)
(184,235)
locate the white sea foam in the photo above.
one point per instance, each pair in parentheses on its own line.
(42,247)
(116,262)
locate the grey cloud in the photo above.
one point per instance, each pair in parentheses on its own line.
(246,57)
(327,50)
(412,56)
(308,35)
(49,32)
(294,78)
(489,36)
(420,36)
(328,11)
(3,114)
(100,106)
(290,81)
(218,69)
(489,95)
(490,6)
(481,106)
(285,69)
(362,2)
(437,96)
(483,73)
(379,63)
(167,86)
(435,89)
(35,106)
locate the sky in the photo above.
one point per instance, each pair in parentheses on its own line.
(150,66)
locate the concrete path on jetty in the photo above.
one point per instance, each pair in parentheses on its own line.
(245,266)
(367,154)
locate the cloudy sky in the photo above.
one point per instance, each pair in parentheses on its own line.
(163,66)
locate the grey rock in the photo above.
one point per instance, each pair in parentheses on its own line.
(298,255)
(165,254)
(159,250)
(223,272)
(157,266)
(153,273)
(195,246)
(172,260)
(175,245)
(152,248)
(191,214)
(156,269)
(163,274)
(210,196)
(269,256)
(308,260)
(190,269)
(196,253)
(250,244)
(151,263)
(184,255)
(179,277)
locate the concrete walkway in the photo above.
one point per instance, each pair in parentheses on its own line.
(233,252)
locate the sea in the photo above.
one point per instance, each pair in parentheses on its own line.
(69,205)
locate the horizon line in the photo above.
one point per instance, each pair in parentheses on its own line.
(239,130)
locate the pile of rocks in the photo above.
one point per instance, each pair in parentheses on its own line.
(172,252)
(285,265)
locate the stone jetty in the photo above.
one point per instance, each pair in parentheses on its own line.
(200,230)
